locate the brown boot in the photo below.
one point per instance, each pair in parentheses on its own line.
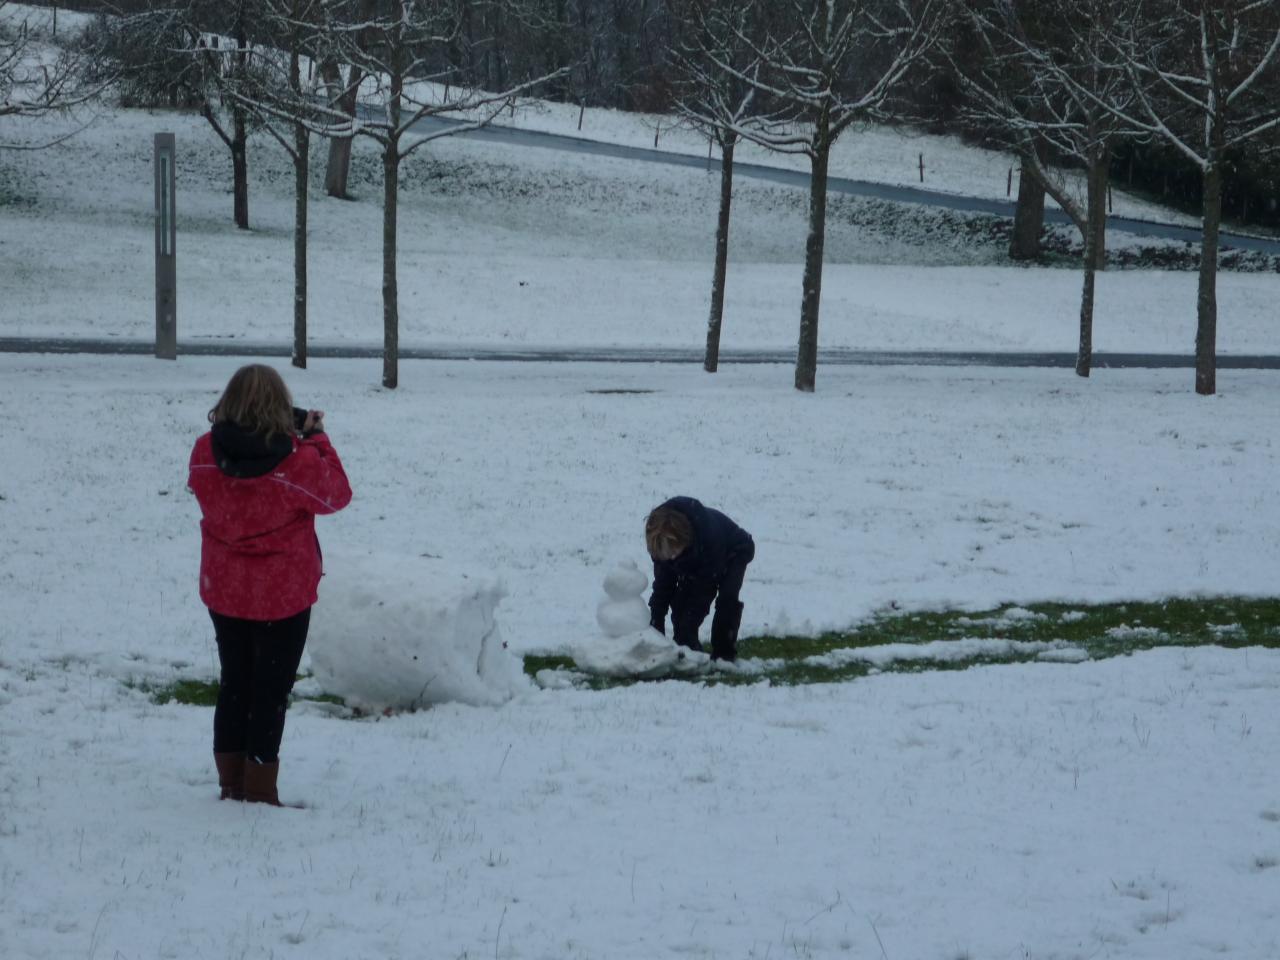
(230,775)
(260,783)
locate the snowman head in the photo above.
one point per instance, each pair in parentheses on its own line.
(667,533)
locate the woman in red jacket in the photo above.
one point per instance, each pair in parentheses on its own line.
(261,474)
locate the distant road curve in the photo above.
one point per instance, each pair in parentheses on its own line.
(839,356)
(859,188)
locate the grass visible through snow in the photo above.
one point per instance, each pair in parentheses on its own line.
(954,640)
(940,640)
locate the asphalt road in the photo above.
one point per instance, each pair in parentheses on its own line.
(836,356)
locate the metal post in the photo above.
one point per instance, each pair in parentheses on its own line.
(166,259)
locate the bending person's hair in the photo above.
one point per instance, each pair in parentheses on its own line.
(667,533)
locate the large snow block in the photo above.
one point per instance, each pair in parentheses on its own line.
(394,632)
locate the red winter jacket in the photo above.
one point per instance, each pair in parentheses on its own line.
(259,555)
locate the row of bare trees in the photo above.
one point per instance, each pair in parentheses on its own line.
(400,73)
(1052,80)
(793,77)
(1060,79)
(1076,77)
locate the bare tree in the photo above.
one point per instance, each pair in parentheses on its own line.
(1045,82)
(343,87)
(718,102)
(225,61)
(1204,75)
(191,53)
(342,82)
(37,79)
(417,89)
(1028,215)
(833,63)
(287,103)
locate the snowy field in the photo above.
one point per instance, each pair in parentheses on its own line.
(1125,809)
(525,248)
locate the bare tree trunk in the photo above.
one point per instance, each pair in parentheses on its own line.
(1099,178)
(338,170)
(301,169)
(390,289)
(1084,353)
(240,169)
(1095,230)
(712,361)
(1207,297)
(339,167)
(240,133)
(1028,218)
(807,354)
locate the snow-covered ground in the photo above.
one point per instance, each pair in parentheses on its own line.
(1127,808)
(870,152)
(508,247)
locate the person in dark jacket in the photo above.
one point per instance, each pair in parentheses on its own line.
(261,475)
(699,556)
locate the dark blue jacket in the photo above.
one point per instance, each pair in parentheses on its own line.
(717,542)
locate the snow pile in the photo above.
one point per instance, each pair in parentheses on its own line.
(629,646)
(396,633)
(942,651)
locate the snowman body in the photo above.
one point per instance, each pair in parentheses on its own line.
(629,646)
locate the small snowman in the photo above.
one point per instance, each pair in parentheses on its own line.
(623,610)
(630,647)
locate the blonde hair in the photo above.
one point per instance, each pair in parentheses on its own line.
(257,400)
(667,533)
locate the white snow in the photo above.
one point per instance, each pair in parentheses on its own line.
(1127,632)
(1126,808)
(953,651)
(630,647)
(623,610)
(409,631)
(503,247)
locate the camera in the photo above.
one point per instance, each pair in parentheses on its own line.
(299,418)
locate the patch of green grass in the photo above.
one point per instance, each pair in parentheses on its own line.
(535,662)
(1034,631)
(200,693)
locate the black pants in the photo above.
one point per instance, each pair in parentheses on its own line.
(259,663)
(691,602)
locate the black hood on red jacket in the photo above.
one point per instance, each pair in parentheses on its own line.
(243,453)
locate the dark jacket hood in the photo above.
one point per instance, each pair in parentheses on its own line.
(243,453)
